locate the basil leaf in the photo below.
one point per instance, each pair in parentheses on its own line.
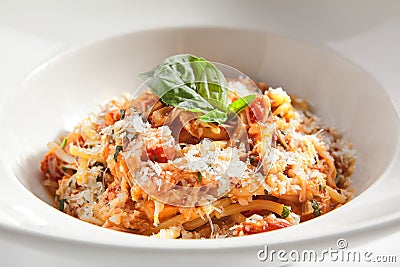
(185,98)
(179,70)
(172,83)
(210,83)
(214,116)
(196,72)
(242,103)
(190,83)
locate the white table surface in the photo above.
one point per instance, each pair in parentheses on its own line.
(365,32)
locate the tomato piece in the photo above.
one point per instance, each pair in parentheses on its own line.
(160,146)
(259,226)
(157,154)
(259,109)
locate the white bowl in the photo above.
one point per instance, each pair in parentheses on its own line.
(62,91)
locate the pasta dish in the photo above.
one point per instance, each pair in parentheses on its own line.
(191,156)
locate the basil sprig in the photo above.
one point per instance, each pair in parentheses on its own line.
(194,84)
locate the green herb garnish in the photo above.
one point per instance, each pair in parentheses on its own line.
(315,206)
(64,143)
(199,177)
(122,113)
(285,211)
(117,150)
(194,84)
(240,104)
(62,203)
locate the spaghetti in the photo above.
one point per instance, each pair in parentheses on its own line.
(94,172)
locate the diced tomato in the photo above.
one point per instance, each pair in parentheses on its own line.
(260,226)
(112,190)
(157,154)
(159,146)
(259,109)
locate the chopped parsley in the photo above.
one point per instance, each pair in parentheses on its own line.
(199,177)
(62,203)
(122,113)
(117,150)
(315,206)
(64,143)
(285,211)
